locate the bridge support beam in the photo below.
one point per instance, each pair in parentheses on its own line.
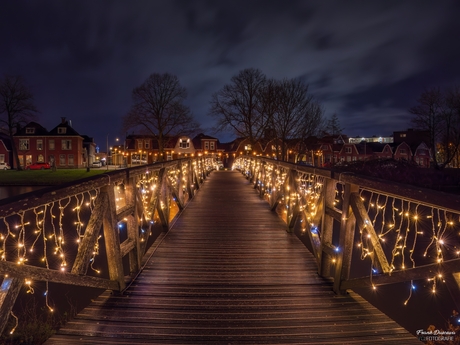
(346,237)
(9,291)
(327,228)
(112,239)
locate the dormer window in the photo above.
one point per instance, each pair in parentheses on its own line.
(184,143)
(30,130)
(62,130)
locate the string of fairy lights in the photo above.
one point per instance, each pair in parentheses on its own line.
(410,233)
(49,235)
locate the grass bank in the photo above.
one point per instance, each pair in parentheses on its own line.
(44,177)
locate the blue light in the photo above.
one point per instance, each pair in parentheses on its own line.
(413,287)
(337,249)
(374,271)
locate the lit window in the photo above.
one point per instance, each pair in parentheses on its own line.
(211,147)
(146,144)
(39,144)
(23,144)
(184,143)
(51,144)
(62,130)
(30,130)
(66,144)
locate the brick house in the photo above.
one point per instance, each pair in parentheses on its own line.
(31,143)
(207,146)
(422,155)
(62,146)
(402,151)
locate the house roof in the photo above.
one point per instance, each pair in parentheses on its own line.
(68,132)
(38,130)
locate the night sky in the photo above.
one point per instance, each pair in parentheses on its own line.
(367,61)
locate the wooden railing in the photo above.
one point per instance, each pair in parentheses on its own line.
(404,233)
(66,234)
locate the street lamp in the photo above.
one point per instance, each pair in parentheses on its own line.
(107,153)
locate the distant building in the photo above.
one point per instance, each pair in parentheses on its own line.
(411,136)
(373,139)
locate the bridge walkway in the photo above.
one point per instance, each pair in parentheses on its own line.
(228,273)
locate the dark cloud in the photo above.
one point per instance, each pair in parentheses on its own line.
(367,61)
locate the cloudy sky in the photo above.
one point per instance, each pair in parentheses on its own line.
(366,61)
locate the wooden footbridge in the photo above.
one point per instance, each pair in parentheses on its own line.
(224,270)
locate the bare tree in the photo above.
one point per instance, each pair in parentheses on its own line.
(238,105)
(297,115)
(158,109)
(438,112)
(16,109)
(333,125)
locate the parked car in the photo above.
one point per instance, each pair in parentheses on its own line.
(97,164)
(4,166)
(38,166)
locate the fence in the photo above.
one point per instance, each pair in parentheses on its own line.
(71,233)
(401,233)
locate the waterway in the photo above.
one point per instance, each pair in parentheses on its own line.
(9,191)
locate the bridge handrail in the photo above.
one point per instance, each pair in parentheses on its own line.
(333,208)
(133,198)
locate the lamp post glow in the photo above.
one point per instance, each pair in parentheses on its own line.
(107,153)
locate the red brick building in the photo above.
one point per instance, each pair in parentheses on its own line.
(62,147)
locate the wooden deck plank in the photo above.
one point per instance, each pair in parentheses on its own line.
(229,273)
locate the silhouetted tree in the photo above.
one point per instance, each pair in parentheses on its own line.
(297,114)
(16,109)
(158,109)
(438,112)
(238,105)
(333,125)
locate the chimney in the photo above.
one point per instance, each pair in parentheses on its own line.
(63,120)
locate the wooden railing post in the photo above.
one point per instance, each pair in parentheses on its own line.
(132,226)
(346,237)
(9,291)
(162,204)
(86,247)
(112,239)
(263,176)
(292,192)
(327,226)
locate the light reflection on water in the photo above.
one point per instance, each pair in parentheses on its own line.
(9,191)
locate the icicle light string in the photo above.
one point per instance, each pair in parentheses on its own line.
(48,224)
(399,223)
